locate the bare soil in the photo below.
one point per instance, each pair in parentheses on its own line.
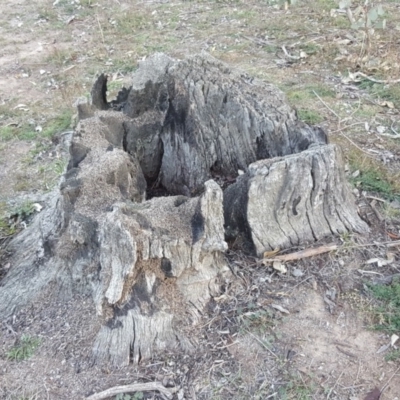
(322,345)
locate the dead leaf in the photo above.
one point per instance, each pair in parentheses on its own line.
(383,348)
(381,261)
(374,395)
(280,308)
(278,266)
(393,339)
(268,254)
(388,104)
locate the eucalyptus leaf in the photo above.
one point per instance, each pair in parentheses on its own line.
(373,14)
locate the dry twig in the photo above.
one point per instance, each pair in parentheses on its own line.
(136,387)
(304,253)
(387,383)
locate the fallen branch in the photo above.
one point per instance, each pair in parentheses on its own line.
(375,80)
(303,253)
(326,105)
(136,387)
(393,244)
(288,55)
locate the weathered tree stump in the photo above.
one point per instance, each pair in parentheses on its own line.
(285,201)
(184,129)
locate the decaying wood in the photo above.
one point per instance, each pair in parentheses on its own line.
(136,387)
(150,264)
(197,118)
(283,201)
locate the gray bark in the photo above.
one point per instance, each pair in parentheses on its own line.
(196,118)
(151,265)
(286,201)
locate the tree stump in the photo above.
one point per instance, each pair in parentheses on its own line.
(140,218)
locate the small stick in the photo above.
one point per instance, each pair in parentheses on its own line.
(326,105)
(376,198)
(377,80)
(262,344)
(348,126)
(101,32)
(303,253)
(393,244)
(288,55)
(333,387)
(355,145)
(387,383)
(136,387)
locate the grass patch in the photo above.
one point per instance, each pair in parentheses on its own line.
(296,388)
(387,312)
(129,23)
(58,124)
(372,180)
(7,133)
(257,321)
(383,92)
(310,117)
(393,355)
(28,132)
(24,210)
(10,219)
(24,349)
(5,228)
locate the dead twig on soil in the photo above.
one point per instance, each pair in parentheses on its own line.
(365,76)
(262,344)
(303,253)
(101,32)
(333,387)
(326,105)
(347,127)
(387,383)
(136,387)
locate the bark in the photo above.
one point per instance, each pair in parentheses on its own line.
(197,118)
(284,201)
(150,264)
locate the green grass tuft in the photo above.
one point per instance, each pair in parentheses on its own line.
(393,355)
(387,312)
(382,91)
(309,116)
(372,180)
(24,349)
(61,123)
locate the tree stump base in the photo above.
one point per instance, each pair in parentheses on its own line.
(185,129)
